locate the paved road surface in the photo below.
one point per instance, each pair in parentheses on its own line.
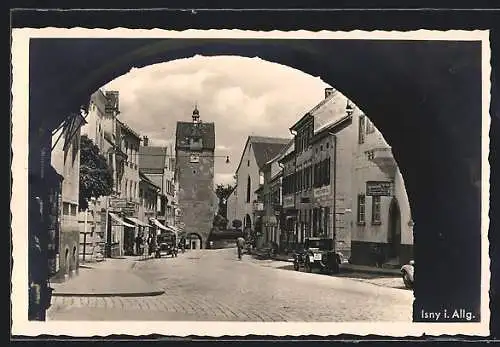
(212,285)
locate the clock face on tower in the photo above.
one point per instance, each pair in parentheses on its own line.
(194,158)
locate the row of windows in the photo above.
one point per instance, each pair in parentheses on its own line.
(273,197)
(320,148)
(312,222)
(147,200)
(304,137)
(362,209)
(130,189)
(132,152)
(317,175)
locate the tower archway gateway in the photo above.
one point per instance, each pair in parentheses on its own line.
(194,241)
(424,96)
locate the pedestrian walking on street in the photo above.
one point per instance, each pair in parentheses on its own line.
(240,243)
(138,241)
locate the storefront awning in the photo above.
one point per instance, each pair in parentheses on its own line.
(137,222)
(120,221)
(159,225)
(172,229)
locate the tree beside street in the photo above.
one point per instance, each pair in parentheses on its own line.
(220,222)
(223,191)
(96,177)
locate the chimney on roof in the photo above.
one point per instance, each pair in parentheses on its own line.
(328,92)
(145,141)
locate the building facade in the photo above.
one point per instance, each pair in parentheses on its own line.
(148,206)
(383,226)
(194,150)
(128,200)
(111,222)
(96,224)
(303,132)
(91,221)
(271,195)
(341,181)
(307,175)
(288,230)
(170,185)
(65,160)
(333,150)
(258,150)
(158,164)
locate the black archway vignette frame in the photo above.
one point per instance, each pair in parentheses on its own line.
(449,243)
(445,91)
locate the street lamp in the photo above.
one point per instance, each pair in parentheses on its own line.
(227,161)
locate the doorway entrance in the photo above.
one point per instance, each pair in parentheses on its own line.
(394,230)
(129,240)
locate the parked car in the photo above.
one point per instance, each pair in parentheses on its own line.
(167,245)
(318,253)
(407,272)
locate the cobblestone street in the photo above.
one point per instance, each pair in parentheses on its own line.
(213,285)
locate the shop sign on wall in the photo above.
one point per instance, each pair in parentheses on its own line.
(379,188)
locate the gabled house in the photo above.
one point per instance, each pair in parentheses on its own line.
(272,197)
(63,245)
(249,176)
(157,163)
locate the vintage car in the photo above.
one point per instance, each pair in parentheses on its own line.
(407,272)
(166,245)
(319,253)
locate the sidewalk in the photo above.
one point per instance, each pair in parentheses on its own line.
(370,270)
(284,257)
(349,267)
(111,277)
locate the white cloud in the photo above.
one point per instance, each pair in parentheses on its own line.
(224,179)
(222,148)
(243,96)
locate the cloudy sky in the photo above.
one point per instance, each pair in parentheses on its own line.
(243,96)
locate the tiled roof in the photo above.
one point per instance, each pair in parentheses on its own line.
(145,179)
(185,129)
(152,159)
(266,148)
(289,147)
(329,111)
(129,129)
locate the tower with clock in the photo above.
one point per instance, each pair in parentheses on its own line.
(194,151)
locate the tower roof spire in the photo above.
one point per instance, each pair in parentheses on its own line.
(196,113)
